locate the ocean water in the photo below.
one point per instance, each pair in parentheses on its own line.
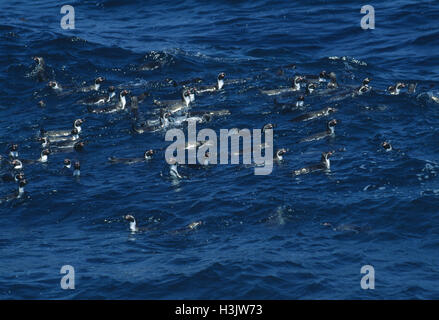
(262,237)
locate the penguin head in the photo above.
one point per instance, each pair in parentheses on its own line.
(327,155)
(386,145)
(366,81)
(400,85)
(331,110)
(332,123)
(129,218)
(53,84)
(268,126)
(298,79)
(99,80)
(148,154)
(281,152)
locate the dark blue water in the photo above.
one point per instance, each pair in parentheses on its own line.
(262,236)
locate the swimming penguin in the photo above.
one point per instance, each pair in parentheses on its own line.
(21,185)
(364,87)
(74,135)
(185,82)
(206,158)
(133,224)
(40,62)
(171,82)
(60,133)
(295,87)
(218,86)
(39,71)
(387,146)
(13,151)
(332,81)
(315,114)
(323,75)
(134,107)
(146,127)
(100,99)
(55,86)
(41,104)
(17,165)
(67,167)
(67,164)
(173,170)
(10,177)
(44,142)
(77,146)
(149,66)
(186,118)
(286,106)
(208,114)
(94,87)
(268,126)
(395,90)
(44,157)
(194,225)
(345,227)
(192,92)
(300,101)
(310,88)
(16,195)
(412,88)
(330,132)
(132,221)
(279,154)
(77,169)
(174,106)
(190,227)
(146,156)
(323,165)
(120,105)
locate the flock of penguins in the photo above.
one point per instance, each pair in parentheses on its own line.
(171,113)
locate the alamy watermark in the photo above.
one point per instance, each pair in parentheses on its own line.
(368,21)
(368,280)
(67,281)
(208,149)
(68,20)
